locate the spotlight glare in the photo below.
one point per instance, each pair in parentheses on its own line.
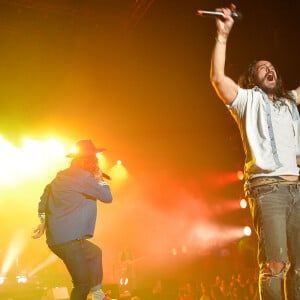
(123,281)
(240,175)
(247,231)
(21,278)
(15,248)
(119,172)
(73,150)
(2,279)
(55,148)
(243,203)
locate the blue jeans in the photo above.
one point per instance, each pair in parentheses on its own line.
(83,260)
(275,210)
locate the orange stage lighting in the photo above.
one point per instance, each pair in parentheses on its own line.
(220,180)
(240,175)
(247,231)
(118,172)
(243,203)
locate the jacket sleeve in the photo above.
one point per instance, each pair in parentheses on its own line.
(42,206)
(106,192)
(93,189)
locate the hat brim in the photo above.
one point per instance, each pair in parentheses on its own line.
(73,155)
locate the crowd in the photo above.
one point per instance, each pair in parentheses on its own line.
(234,287)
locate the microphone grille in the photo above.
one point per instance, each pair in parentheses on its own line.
(237,15)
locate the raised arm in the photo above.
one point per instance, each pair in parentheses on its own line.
(298,95)
(224,86)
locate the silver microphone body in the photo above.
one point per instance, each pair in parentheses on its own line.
(218,14)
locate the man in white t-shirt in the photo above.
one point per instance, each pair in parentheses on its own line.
(268,118)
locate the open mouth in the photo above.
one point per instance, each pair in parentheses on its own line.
(270,77)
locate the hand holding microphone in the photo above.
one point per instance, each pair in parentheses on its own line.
(220,13)
(106,176)
(225,18)
(206,13)
(100,175)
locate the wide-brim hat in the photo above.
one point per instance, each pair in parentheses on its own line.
(85,148)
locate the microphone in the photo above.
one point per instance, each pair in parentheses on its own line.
(206,13)
(106,176)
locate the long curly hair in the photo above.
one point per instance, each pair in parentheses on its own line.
(248,80)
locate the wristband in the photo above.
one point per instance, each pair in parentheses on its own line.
(42,216)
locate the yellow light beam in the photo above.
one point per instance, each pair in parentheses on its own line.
(14,250)
(49,260)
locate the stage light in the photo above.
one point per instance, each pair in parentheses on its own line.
(174,251)
(184,249)
(8,158)
(73,150)
(2,280)
(31,157)
(16,247)
(240,175)
(247,231)
(222,179)
(118,172)
(207,236)
(55,148)
(243,203)
(21,278)
(123,281)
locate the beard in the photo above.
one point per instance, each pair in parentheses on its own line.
(269,88)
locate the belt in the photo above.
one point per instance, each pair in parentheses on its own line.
(258,181)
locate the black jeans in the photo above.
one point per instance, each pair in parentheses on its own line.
(83,260)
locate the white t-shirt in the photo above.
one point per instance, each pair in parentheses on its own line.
(269,133)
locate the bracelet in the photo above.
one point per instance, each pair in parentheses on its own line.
(221,41)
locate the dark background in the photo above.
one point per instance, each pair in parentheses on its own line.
(134,75)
